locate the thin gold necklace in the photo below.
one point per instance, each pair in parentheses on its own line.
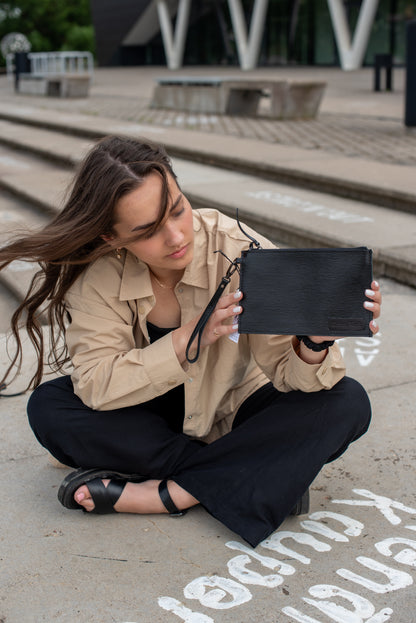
(162,285)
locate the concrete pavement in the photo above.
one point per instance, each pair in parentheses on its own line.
(60,565)
(356,548)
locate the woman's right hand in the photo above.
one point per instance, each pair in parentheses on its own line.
(220,324)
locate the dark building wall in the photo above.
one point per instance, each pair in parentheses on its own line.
(112,20)
(298,33)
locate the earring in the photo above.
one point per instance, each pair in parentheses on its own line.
(118,254)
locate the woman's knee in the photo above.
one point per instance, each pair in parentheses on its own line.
(37,407)
(354,404)
(44,401)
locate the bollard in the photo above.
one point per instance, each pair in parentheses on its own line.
(21,66)
(410,94)
(383,61)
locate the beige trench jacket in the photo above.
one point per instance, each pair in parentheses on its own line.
(114,365)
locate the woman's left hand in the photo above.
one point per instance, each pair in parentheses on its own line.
(374,304)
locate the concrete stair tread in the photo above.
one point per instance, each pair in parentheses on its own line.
(384,184)
(63,148)
(39,182)
(287,215)
(17,216)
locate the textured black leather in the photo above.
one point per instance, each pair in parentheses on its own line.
(305,291)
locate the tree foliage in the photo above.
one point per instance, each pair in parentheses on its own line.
(50,25)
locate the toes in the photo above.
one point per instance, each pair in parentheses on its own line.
(80,495)
(83,498)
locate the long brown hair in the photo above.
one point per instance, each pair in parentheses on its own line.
(114,167)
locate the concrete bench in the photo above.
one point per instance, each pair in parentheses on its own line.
(59,85)
(204,95)
(296,100)
(239,96)
(243,96)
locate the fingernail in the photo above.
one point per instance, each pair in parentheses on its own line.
(369,293)
(374,324)
(237,310)
(369,305)
(235,327)
(237,294)
(376,283)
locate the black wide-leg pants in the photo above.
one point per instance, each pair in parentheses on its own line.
(250,479)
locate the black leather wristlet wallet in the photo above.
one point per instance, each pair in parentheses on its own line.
(305,291)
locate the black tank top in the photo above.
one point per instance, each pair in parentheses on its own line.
(171,405)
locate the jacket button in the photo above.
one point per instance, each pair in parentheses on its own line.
(189,417)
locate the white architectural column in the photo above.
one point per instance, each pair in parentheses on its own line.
(352,54)
(174,44)
(248,48)
(351,50)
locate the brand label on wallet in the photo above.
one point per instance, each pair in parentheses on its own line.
(346,324)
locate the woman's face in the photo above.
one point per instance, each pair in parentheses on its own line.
(170,248)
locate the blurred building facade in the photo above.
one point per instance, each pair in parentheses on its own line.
(296,32)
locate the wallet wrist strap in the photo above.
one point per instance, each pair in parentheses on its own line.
(197,332)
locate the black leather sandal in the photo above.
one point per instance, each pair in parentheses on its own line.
(168,502)
(103,497)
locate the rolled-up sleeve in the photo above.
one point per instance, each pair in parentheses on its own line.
(277,357)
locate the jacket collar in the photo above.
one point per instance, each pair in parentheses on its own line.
(135,279)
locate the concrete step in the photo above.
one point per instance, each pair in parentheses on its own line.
(8,303)
(289,216)
(16,216)
(302,218)
(38,182)
(48,145)
(381,184)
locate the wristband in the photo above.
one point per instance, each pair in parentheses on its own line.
(313,345)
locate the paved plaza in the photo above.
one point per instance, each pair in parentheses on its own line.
(353,119)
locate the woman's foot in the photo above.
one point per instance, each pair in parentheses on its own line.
(141,498)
